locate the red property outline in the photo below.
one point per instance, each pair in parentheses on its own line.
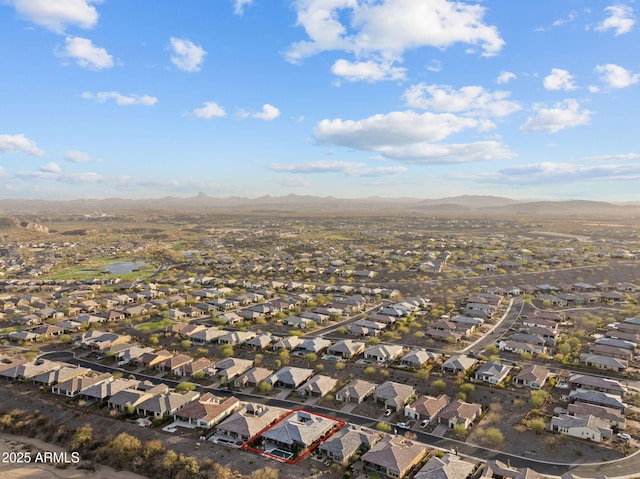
(336,428)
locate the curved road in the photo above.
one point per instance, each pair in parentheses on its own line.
(628,466)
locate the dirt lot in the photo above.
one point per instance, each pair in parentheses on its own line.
(20,444)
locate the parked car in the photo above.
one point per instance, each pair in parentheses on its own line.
(424,423)
(388,412)
(624,435)
(402,425)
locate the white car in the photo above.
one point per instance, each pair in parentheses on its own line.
(424,423)
(624,435)
(402,425)
(388,412)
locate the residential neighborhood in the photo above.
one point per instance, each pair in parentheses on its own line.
(280,351)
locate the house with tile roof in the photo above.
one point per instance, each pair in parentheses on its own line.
(207,410)
(357,390)
(394,457)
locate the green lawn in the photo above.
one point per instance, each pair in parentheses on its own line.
(153,325)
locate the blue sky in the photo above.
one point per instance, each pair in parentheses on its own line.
(348,98)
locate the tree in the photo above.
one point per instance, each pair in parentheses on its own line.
(152,448)
(369,371)
(439,386)
(467,389)
(153,339)
(537,425)
(491,350)
(310,358)
(122,448)
(284,357)
(538,398)
(185,386)
(264,387)
(83,435)
(494,436)
(383,427)
(226,351)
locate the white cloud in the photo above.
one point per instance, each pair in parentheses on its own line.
(620,19)
(349,168)
(51,168)
(56,15)
(435,154)
(474,100)
(616,76)
(268,113)
(408,137)
(620,157)
(120,99)
(505,77)
(559,79)
(3,173)
(370,71)
(187,56)
(395,128)
(385,29)
(19,144)
(566,114)
(85,53)
(210,110)
(294,182)
(548,172)
(76,156)
(435,66)
(323,166)
(238,7)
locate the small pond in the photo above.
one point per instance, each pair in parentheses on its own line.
(124,267)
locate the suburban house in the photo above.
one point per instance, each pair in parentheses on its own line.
(418,357)
(347,348)
(393,395)
(613,416)
(236,337)
(394,457)
(49,378)
(357,390)
(449,466)
(426,407)
(289,377)
(314,345)
(207,410)
(288,343)
(582,427)
(174,363)
(598,398)
(532,376)
(492,372)
(300,430)
(166,404)
(189,369)
(230,368)
(495,469)
(248,421)
(458,364)
(105,389)
(596,383)
(342,446)
(135,395)
(317,386)
(149,360)
(383,353)
(29,370)
(74,386)
(604,363)
(252,377)
(460,412)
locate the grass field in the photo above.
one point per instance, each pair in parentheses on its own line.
(94,268)
(153,325)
